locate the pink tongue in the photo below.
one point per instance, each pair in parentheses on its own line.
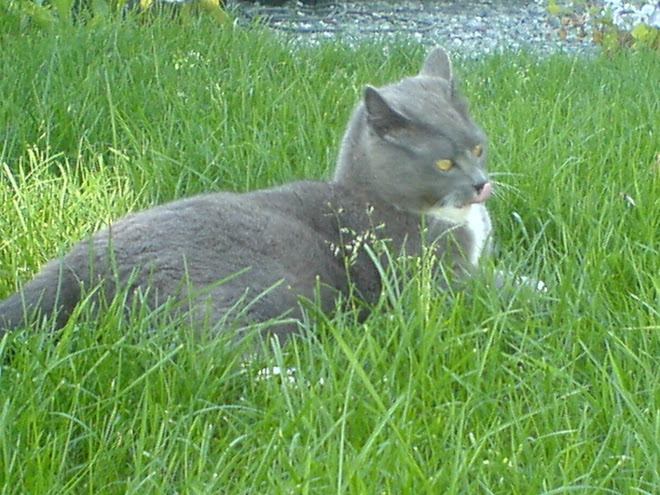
(484,194)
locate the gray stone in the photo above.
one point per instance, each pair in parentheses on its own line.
(472,27)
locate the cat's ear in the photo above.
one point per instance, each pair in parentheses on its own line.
(437,64)
(380,115)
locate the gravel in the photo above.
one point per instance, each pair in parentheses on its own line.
(472,27)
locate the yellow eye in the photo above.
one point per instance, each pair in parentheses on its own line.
(444,165)
(478,150)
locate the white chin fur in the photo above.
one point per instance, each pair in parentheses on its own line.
(451,213)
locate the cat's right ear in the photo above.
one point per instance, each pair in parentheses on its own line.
(380,115)
(437,64)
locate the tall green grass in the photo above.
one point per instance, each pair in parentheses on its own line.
(505,392)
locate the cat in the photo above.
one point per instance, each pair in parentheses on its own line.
(411,172)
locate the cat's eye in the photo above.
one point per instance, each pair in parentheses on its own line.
(478,150)
(444,165)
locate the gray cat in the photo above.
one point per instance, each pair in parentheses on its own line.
(411,170)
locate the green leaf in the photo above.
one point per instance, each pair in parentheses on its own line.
(646,34)
(41,16)
(641,32)
(611,41)
(64,9)
(101,9)
(553,8)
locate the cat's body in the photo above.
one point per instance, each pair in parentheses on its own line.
(409,150)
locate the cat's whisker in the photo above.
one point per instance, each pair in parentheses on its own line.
(506,174)
(504,188)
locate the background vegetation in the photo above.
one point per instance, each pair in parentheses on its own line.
(477,392)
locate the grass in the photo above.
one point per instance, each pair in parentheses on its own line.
(476,392)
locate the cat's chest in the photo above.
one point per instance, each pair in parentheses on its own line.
(475,220)
(478,223)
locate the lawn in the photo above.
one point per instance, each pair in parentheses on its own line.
(482,391)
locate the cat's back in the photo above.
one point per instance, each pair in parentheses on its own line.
(279,233)
(259,222)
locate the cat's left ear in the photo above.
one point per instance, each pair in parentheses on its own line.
(380,115)
(437,64)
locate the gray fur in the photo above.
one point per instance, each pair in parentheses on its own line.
(292,241)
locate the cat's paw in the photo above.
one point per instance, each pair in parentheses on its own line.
(519,281)
(532,283)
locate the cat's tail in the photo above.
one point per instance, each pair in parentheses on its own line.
(53,293)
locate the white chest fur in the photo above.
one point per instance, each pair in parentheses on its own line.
(479,224)
(476,220)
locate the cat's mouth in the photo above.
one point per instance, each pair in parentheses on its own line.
(457,212)
(483,194)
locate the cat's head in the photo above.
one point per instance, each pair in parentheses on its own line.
(425,152)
